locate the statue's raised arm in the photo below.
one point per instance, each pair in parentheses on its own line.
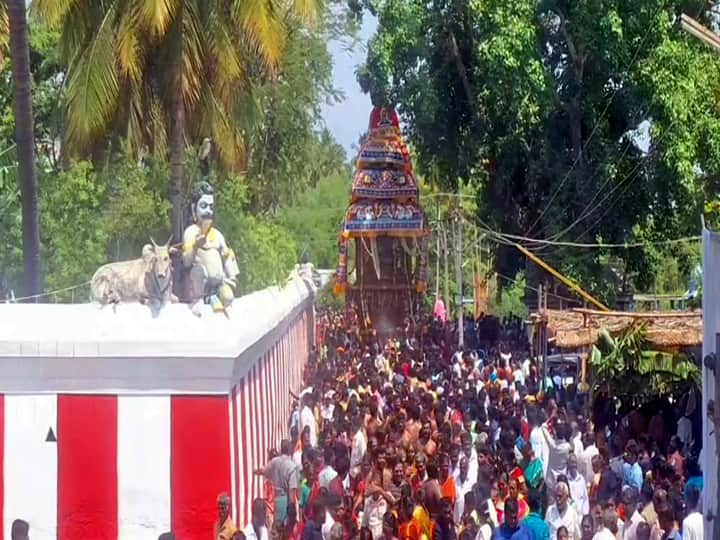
(212,264)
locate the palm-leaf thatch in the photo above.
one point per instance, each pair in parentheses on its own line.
(569,329)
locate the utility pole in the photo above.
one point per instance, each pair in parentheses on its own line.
(458,273)
(542,332)
(437,250)
(446,285)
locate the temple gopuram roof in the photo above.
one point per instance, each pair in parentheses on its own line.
(384,194)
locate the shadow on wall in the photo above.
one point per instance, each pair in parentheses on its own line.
(20,530)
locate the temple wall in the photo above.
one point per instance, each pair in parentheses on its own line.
(117,425)
(711,344)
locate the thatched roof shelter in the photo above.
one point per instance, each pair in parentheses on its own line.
(575,328)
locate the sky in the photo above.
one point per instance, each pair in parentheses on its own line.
(348,119)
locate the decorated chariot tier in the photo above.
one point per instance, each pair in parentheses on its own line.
(385,220)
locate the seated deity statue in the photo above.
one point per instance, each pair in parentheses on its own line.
(212,264)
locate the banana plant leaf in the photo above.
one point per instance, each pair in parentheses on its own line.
(624,367)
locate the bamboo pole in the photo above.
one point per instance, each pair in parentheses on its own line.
(568,282)
(696,29)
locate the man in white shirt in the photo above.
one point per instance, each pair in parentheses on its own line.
(585,459)
(307,419)
(537,440)
(374,510)
(578,487)
(576,439)
(558,451)
(562,514)
(630,501)
(471,454)
(358,448)
(329,522)
(526,367)
(327,409)
(609,526)
(692,525)
(463,486)
(518,375)
(685,433)
(257,529)
(325,467)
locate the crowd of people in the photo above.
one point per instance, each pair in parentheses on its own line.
(408,438)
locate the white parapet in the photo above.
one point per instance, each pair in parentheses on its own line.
(81,347)
(711,344)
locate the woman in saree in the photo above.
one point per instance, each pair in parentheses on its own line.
(532,470)
(517,491)
(531,467)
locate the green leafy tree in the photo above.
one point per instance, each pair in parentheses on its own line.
(75,236)
(540,106)
(264,249)
(314,221)
(290,149)
(137,205)
(10,225)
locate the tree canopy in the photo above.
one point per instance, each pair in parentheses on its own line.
(574,121)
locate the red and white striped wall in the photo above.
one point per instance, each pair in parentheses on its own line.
(129,467)
(130,464)
(260,412)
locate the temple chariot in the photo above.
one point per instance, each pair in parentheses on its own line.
(382,267)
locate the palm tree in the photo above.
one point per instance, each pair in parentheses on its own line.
(165,72)
(22,86)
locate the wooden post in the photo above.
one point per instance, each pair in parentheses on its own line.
(542,335)
(458,275)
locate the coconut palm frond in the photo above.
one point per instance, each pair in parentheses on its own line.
(192,61)
(308,11)
(157,15)
(4,32)
(228,68)
(219,125)
(54,12)
(93,86)
(129,44)
(78,26)
(264,30)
